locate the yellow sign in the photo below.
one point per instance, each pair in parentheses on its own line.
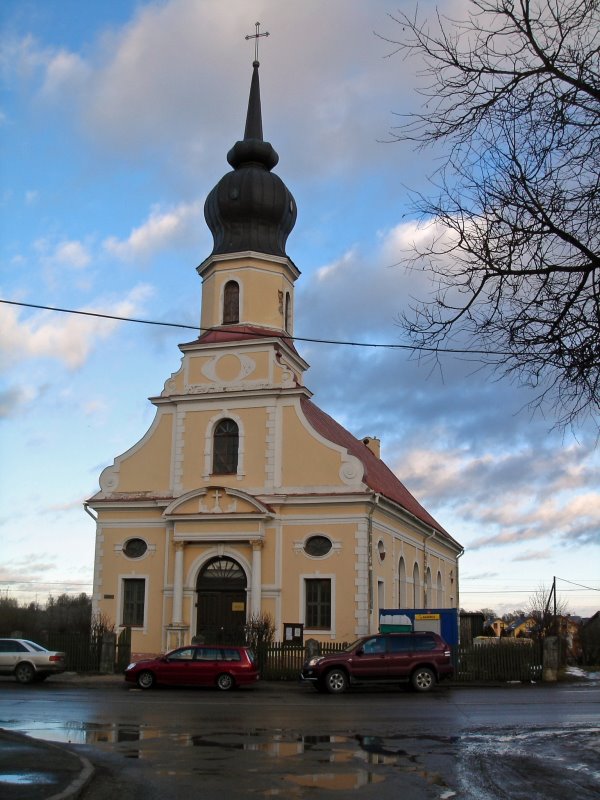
(427,616)
(237,606)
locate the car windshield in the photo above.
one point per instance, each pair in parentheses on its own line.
(353,645)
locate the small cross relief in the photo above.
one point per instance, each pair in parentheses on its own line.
(210,503)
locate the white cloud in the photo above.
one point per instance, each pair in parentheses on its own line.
(161,230)
(65,72)
(72,253)
(93,407)
(67,338)
(13,399)
(510,498)
(65,253)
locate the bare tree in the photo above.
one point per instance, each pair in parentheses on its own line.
(539,609)
(512,94)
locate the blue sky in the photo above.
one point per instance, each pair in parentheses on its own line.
(115,120)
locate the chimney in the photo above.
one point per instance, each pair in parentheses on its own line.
(373,444)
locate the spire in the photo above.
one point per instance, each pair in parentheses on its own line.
(251,208)
(254,116)
(253,149)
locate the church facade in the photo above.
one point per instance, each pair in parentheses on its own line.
(244,498)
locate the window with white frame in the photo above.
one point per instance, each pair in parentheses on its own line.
(226,441)
(231,303)
(134,598)
(317,613)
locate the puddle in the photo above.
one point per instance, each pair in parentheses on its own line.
(26,778)
(340,781)
(339,763)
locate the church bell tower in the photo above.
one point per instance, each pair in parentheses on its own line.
(248,279)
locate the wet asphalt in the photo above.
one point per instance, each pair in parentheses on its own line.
(32,769)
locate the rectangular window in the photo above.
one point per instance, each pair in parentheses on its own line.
(318,603)
(134,593)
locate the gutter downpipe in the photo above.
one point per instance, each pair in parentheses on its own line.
(374,503)
(94,601)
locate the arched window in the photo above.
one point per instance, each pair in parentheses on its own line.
(225,447)
(440,591)
(416,587)
(231,303)
(402,598)
(428,600)
(288,312)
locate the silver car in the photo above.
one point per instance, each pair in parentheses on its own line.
(29,661)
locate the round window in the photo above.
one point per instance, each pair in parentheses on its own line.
(381,549)
(135,548)
(317,546)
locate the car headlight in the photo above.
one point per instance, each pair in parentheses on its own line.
(314,661)
(130,666)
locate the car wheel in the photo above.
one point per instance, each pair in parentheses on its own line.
(146,679)
(423,679)
(225,682)
(336,681)
(24,673)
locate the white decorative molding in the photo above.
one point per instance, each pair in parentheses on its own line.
(170,386)
(351,471)
(247,366)
(109,479)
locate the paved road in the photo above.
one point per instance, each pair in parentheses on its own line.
(524,741)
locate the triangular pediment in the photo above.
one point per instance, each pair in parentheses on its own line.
(216,501)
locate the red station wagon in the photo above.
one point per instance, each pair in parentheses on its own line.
(423,658)
(196,665)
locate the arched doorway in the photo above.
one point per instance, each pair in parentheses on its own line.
(221,601)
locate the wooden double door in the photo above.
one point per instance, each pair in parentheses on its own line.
(221,602)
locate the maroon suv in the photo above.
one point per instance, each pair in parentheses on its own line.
(423,658)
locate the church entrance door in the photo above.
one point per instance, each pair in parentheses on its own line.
(221,604)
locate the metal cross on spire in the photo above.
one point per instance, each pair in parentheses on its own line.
(256,36)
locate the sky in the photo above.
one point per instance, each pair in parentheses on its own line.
(115,121)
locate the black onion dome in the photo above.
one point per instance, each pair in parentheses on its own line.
(251,208)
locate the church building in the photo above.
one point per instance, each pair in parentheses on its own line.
(245,498)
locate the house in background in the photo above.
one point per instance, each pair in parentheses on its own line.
(497,626)
(522,627)
(244,497)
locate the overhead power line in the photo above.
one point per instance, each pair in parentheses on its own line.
(255,334)
(581,586)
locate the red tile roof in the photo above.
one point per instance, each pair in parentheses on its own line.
(377,476)
(237,333)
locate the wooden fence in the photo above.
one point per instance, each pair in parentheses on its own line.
(496,662)
(283,661)
(499,660)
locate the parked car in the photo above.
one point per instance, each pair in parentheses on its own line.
(29,661)
(196,665)
(423,658)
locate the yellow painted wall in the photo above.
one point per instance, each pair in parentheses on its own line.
(260,282)
(147,469)
(324,460)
